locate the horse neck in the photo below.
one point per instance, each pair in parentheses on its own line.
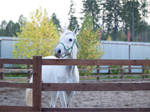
(73,55)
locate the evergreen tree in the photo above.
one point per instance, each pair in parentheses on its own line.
(91,7)
(12,29)
(103,21)
(3,25)
(112,17)
(132,14)
(9,28)
(144,13)
(72,19)
(148,34)
(22,20)
(56,21)
(129,15)
(2,28)
(15,29)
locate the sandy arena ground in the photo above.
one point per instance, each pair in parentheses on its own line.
(16,97)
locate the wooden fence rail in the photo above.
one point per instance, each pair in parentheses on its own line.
(15,70)
(88,62)
(98,74)
(11,71)
(98,68)
(82,86)
(37,85)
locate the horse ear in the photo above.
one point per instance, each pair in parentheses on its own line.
(75,30)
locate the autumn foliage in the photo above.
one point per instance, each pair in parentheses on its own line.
(38,36)
(89,46)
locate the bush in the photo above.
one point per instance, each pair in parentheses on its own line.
(147,71)
(115,71)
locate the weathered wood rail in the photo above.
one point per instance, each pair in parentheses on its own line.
(97,75)
(37,85)
(121,74)
(14,69)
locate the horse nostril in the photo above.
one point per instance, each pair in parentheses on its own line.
(59,51)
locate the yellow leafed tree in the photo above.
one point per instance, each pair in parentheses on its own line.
(89,46)
(38,36)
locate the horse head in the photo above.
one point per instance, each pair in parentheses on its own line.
(67,44)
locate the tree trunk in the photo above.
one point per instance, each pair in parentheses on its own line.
(116,27)
(115,32)
(133,21)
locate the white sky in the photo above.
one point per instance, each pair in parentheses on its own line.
(12,9)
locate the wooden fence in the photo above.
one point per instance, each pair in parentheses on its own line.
(38,86)
(14,70)
(121,74)
(96,75)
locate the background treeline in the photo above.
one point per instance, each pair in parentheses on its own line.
(10,29)
(114,17)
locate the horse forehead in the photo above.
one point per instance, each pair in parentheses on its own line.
(65,35)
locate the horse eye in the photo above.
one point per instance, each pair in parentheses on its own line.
(70,39)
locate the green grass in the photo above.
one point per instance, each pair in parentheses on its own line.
(16,79)
(118,77)
(124,77)
(16,75)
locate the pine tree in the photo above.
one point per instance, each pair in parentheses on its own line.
(113,16)
(12,28)
(144,12)
(38,37)
(21,20)
(91,7)
(3,25)
(2,28)
(72,19)
(88,40)
(56,21)
(128,17)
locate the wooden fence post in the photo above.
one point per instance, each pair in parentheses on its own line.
(121,72)
(129,70)
(2,73)
(143,72)
(29,72)
(98,73)
(109,72)
(37,83)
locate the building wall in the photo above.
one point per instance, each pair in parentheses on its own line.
(6,48)
(125,50)
(120,50)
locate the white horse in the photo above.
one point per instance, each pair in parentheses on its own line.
(66,49)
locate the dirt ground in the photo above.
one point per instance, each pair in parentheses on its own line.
(16,97)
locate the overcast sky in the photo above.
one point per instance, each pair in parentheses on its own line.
(12,9)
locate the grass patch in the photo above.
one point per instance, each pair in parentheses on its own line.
(117,77)
(18,80)
(16,75)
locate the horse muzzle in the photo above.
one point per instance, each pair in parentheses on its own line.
(58,52)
